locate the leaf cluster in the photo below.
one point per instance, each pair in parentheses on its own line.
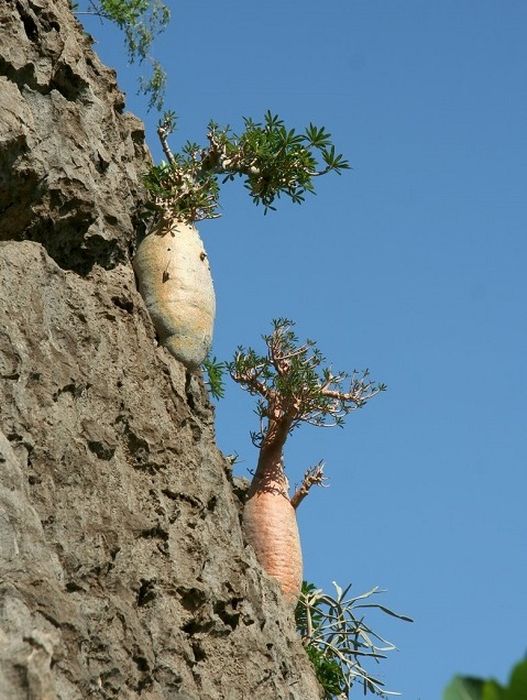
(140,21)
(339,642)
(275,160)
(295,386)
(468,688)
(271,159)
(182,189)
(215,371)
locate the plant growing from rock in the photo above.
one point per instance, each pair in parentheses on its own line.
(215,372)
(293,387)
(171,263)
(140,21)
(338,641)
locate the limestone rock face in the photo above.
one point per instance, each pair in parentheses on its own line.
(70,158)
(123,570)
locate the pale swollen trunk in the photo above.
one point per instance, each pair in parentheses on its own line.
(175,282)
(269,522)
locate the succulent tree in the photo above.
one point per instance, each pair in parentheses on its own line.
(293,386)
(171,263)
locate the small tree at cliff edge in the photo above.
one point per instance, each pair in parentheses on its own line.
(293,387)
(171,264)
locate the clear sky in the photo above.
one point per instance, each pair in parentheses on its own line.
(412,264)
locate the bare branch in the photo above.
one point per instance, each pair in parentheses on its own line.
(313,476)
(162,132)
(294,353)
(250,380)
(358,395)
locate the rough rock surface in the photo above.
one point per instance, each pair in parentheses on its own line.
(123,570)
(70,158)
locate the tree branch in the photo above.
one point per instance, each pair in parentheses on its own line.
(162,132)
(249,379)
(313,476)
(358,396)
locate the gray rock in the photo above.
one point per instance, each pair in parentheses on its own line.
(123,570)
(70,158)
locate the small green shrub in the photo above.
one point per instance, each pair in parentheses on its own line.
(214,370)
(338,641)
(328,672)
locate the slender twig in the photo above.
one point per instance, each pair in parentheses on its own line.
(250,381)
(162,132)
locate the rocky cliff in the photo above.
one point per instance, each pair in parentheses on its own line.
(123,570)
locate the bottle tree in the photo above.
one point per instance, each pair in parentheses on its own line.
(171,263)
(293,386)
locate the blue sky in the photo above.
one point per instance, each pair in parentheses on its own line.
(411,264)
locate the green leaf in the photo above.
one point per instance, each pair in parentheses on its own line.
(387,611)
(517,689)
(462,688)
(140,21)
(493,691)
(328,672)
(215,370)
(466,688)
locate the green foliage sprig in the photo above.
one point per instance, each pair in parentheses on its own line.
(271,159)
(294,386)
(214,370)
(140,21)
(338,641)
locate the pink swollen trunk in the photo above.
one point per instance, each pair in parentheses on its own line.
(270,527)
